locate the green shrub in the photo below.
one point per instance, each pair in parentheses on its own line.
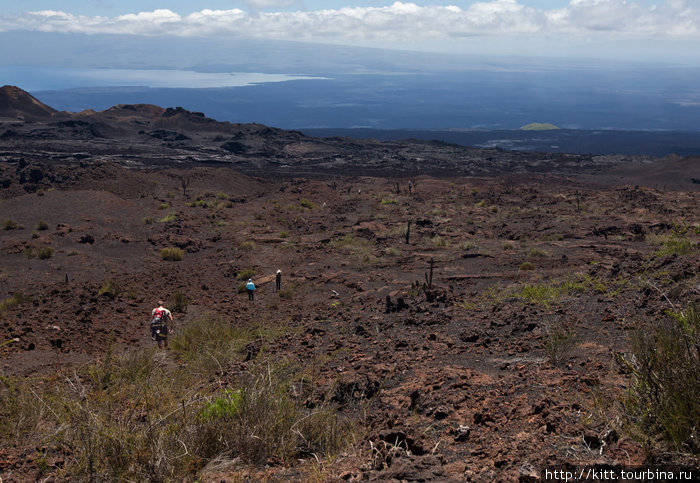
(262,420)
(42,225)
(110,289)
(172,254)
(169,218)
(241,287)
(223,407)
(11,225)
(148,220)
(537,253)
(663,403)
(245,274)
(558,342)
(440,241)
(45,253)
(466,246)
(304,203)
(18,298)
(164,206)
(178,303)
(676,246)
(42,253)
(197,203)
(527,266)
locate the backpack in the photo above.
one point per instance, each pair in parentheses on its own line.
(158,317)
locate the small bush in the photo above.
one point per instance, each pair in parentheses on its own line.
(676,246)
(164,206)
(284,234)
(11,225)
(224,407)
(110,289)
(179,303)
(241,287)
(221,196)
(387,201)
(440,241)
(245,274)
(172,254)
(537,253)
(559,342)
(148,220)
(42,225)
(304,203)
(169,218)
(197,204)
(392,252)
(42,253)
(18,298)
(45,253)
(663,403)
(527,266)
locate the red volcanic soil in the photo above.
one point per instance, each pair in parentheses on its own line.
(461,383)
(487,345)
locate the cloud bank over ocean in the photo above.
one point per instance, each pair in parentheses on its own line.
(393,24)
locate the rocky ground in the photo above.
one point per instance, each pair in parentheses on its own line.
(483,346)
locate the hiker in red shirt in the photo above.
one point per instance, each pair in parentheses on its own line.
(160,316)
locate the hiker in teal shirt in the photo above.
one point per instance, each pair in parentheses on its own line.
(250,286)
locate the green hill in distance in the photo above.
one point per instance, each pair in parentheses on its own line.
(538,126)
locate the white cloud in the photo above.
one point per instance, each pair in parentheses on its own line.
(401,22)
(260,4)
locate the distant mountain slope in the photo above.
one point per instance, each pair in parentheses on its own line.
(16,103)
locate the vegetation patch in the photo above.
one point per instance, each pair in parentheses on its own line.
(245,274)
(9,224)
(309,205)
(42,253)
(172,254)
(178,303)
(169,218)
(16,300)
(559,341)
(663,403)
(110,289)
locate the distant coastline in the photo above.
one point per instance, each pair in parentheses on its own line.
(595,142)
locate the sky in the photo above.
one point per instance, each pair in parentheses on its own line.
(631,29)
